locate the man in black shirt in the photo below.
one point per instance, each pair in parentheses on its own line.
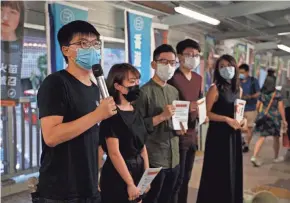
(70,111)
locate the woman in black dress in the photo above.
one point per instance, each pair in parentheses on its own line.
(123,137)
(222,174)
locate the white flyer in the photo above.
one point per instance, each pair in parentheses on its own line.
(147,178)
(181,114)
(239,109)
(201,110)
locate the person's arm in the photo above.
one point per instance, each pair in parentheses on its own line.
(118,160)
(142,105)
(211,98)
(144,155)
(100,156)
(52,103)
(281,109)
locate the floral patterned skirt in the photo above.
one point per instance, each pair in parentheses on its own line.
(271,127)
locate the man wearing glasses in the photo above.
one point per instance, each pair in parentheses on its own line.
(188,83)
(69,111)
(155,104)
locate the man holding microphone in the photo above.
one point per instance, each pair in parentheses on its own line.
(69,111)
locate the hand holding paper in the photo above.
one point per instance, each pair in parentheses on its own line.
(180,115)
(147,178)
(239,109)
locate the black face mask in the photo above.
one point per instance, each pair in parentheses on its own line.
(133,93)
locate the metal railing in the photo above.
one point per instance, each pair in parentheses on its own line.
(20,139)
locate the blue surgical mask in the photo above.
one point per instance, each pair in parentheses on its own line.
(227,72)
(242,76)
(86,58)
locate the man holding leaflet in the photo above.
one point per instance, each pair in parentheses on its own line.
(155,104)
(69,114)
(188,83)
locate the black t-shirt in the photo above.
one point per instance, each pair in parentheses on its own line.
(129,128)
(69,170)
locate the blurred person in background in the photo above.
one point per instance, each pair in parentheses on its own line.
(251,93)
(222,173)
(268,123)
(123,139)
(188,83)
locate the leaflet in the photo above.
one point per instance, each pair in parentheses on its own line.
(239,109)
(147,178)
(180,115)
(201,110)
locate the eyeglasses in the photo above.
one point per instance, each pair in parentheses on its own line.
(191,55)
(165,62)
(87,44)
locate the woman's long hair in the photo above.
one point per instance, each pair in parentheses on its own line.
(220,81)
(18,6)
(269,84)
(117,74)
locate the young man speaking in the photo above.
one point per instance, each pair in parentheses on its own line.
(69,114)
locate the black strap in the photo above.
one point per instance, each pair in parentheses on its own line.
(253,86)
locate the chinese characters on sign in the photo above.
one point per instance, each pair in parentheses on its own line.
(11,58)
(139,41)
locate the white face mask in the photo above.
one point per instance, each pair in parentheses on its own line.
(165,72)
(191,63)
(227,72)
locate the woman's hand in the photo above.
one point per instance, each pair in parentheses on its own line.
(233,123)
(182,131)
(244,125)
(133,192)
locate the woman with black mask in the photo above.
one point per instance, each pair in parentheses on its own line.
(123,138)
(222,173)
(268,123)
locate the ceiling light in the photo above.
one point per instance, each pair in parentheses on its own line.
(196,15)
(284,47)
(284,33)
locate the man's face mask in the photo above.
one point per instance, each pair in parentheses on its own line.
(192,63)
(86,58)
(165,72)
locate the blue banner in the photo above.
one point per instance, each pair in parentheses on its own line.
(139,42)
(60,15)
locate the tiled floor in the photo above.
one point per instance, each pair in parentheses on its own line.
(271,177)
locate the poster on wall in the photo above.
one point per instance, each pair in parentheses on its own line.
(12,29)
(209,61)
(112,56)
(160,36)
(59,15)
(240,53)
(139,43)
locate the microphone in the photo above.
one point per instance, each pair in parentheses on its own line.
(99,75)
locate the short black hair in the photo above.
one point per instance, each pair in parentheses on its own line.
(163,49)
(244,67)
(187,43)
(271,72)
(68,31)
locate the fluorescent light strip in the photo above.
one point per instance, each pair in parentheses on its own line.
(196,15)
(284,47)
(284,33)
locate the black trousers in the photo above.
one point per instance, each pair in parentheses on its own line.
(162,186)
(113,187)
(187,156)
(287,114)
(75,200)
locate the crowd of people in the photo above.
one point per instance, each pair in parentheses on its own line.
(134,126)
